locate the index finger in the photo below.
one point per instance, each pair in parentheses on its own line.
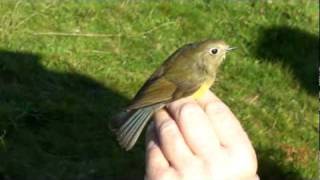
(155,160)
(225,124)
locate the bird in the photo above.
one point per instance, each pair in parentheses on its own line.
(189,71)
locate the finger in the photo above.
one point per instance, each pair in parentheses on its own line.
(155,160)
(229,130)
(174,107)
(255,177)
(195,127)
(171,141)
(226,125)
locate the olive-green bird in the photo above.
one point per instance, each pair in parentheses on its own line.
(189,71)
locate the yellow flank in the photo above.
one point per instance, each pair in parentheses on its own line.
(203,89)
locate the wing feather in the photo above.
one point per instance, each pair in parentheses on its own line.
(159,91)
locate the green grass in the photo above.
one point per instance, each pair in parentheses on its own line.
(58,92)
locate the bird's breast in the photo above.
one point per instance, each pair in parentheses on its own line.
(203,89)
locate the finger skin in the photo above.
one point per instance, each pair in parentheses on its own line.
(167,146)
(195,127)
(225,124)
(171,141)
(155,159)
(227,127)
(230,132)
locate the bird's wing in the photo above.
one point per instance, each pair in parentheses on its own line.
(161,91)
(158,92)
(158,89)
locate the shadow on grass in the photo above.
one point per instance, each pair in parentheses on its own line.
(295,48)
(54,125)
(270,168)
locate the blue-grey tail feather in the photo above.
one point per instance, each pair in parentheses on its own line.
(133,125)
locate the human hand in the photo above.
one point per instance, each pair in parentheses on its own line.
(194,140)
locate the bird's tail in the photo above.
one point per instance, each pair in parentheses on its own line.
(129,125)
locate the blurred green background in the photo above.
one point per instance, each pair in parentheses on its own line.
(67,66)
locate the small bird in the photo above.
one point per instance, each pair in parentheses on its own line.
(190,71)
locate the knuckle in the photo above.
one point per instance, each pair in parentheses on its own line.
(167,126)
(189,108)
(217,107)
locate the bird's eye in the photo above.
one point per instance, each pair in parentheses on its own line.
(214,51)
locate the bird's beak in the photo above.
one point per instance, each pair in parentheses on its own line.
(231,48)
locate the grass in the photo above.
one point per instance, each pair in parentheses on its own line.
(66,68)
